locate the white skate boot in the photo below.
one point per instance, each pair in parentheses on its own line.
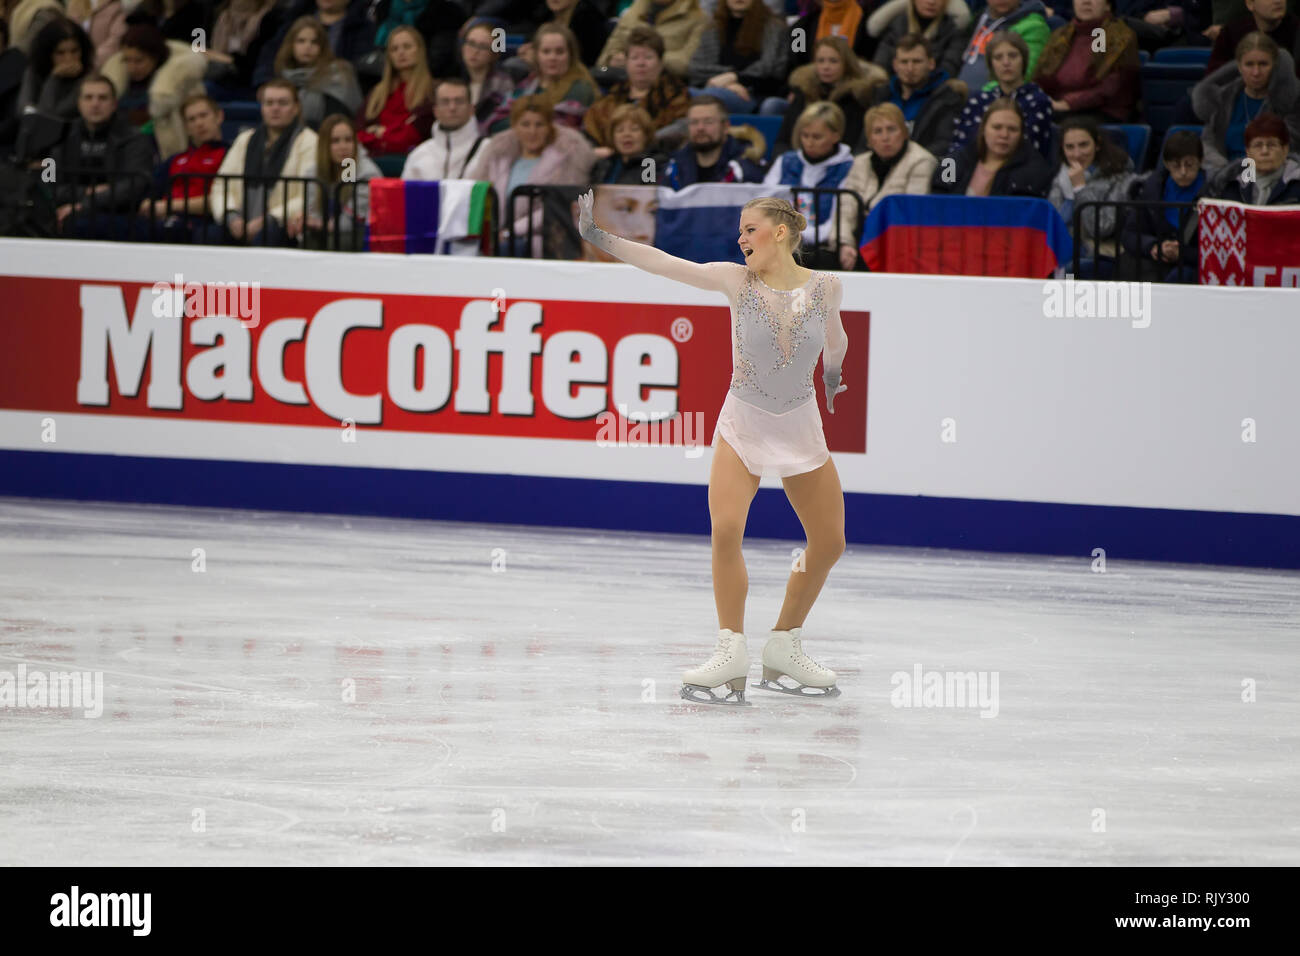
(783,657)
(728,665)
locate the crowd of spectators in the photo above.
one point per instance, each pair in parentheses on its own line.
(129,99)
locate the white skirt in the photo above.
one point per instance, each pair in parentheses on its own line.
(790,443)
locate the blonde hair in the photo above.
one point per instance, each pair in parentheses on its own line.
(884,111)
(824,111)
(780,212)
(418,91)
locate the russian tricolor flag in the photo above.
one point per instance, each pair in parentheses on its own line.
(966,235)
(412,216)
(702,222)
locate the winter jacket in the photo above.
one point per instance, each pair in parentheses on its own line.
(1028,20)
(765,75)
(862,42)
(681,24)
(1066,198)
(445,154)
(179,76)
(1026,173)
(942,101)
(946,33)
(1146,227)
(404,128)
(910,176)
(666,102)
(227,196)
(1035,107)
(684,168)
(1284,192)
(852,95)
(1215,97)
(106,28)
(566,161)
(1286,34)
(569,111)
(107,154)
(793,168)
(1069,70)
(337,91)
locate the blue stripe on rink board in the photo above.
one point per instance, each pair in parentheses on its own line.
(1137,534)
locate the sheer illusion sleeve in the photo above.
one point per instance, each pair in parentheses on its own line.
(715,276)
(837,342)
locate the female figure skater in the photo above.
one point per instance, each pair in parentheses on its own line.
(782,317)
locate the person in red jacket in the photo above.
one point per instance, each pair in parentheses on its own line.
(183,207)
(399,113)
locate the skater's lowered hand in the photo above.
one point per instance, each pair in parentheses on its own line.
(833,387)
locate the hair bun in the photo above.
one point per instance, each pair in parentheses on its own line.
(800,221)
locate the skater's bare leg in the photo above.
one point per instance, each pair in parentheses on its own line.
(731,489)
(818,500)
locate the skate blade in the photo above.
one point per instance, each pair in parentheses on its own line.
(803,690)
(698,694)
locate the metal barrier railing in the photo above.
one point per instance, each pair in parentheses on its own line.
(1115,252)
(816,218)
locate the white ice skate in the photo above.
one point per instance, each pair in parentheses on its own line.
(784,660)
(729,665)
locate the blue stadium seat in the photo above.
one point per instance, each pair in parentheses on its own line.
(1143,57)
(1200,55)
(1163,85)
(232,128)
(1135,138)
(769,126)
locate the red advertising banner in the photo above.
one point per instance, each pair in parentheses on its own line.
(537,368)
(1249,245)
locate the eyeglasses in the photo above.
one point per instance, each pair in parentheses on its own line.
(1265,144)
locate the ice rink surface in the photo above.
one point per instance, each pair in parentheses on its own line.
(303,689)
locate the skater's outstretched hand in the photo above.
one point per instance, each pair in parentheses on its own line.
(586,221)
(833,387)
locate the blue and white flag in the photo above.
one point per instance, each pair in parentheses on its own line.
(702,222)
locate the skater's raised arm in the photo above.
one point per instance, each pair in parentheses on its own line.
(714,276)
(837,344)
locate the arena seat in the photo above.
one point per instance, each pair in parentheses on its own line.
(1199,55)
(769,126)
(1163,85)
(1135,137)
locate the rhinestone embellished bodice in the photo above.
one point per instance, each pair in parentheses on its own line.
(777,337)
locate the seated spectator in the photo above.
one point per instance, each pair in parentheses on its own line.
(943,23)
(648,85)
(155,78)
(634,161)
(1082,82)
(560,77)
(1161,243)
(489,84)
(455,138)
(741,58)
(534,150)
(1269,17)
(325,83)
(820,162)
(104,21)
(399,113)
(929,99)
(182,210)
(243,28)
(589,25)
(1276,176)
(341,213)
(1024,17)
(893,165)
(1092,169)
(280,147)
(61,56)
(13,66)
(1000,162)
(26,18)
(350,32)
(679,23)
(1007,55)
(830,18)
(104,167)
(710,155)
(837,75)
(1260,80)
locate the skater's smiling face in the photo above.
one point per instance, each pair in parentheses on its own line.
(762,242)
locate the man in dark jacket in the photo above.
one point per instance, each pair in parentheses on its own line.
(1267,16)
(1160,243)
(102,168)
(710,155)
(930,101)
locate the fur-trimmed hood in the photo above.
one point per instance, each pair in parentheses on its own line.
(756,142)
(1121,48)
(876,23)
(1222,86)
(804,79)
